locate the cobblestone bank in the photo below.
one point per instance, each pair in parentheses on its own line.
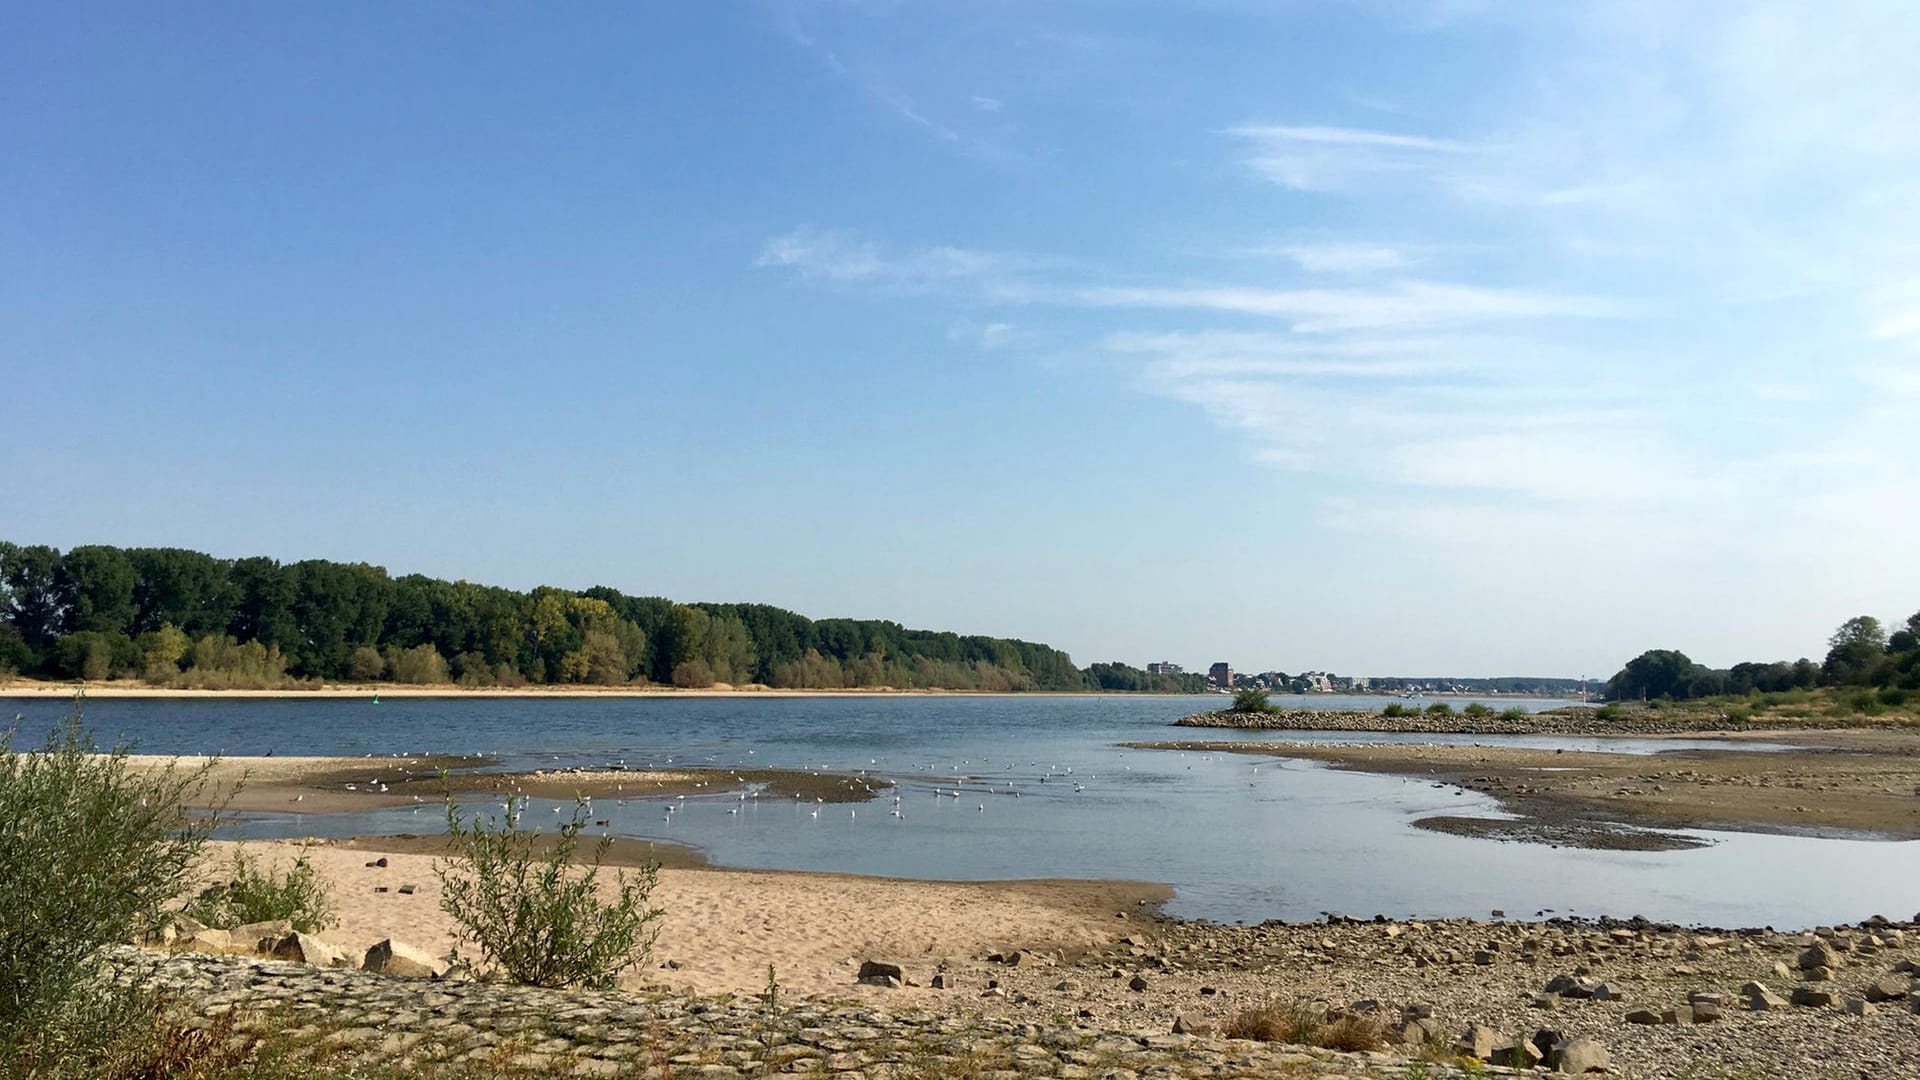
(504,1030)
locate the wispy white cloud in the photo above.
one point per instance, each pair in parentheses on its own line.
(1317,158)
(831,255)
(1339,258)
(1410,304)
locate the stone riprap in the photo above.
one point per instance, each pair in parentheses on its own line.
(417,1023)
(1571,720)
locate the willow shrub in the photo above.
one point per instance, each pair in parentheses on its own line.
(256,893)
(536,915)
(90,849)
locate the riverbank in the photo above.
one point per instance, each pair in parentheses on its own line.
(1069,975)
(723,927)
(1567,720)
(1858,783)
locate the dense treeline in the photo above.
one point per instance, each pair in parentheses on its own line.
(1860,655)
(183,618)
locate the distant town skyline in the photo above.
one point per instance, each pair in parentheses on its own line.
(1394,336)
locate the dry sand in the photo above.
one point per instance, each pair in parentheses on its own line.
(724,927)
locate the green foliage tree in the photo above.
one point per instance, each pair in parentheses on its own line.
(365,664)
(1250,700)
(30,593)
(1855,651)
(421,665)
(160,653)
(95,585)
(312,619)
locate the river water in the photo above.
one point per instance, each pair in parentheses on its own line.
(1240,838)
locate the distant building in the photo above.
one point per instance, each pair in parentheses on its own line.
(1221,675)
(1162,667)
(1362,682)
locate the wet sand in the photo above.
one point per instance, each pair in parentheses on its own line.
(1863,784)
(321,785)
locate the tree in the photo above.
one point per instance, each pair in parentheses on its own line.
(29,593)
(1854,651)
(365,664)
(185,588)
(1907,638)
(95,585)
(160,652)
(1655,673)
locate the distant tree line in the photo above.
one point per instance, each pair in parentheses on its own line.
(183,618)
(1861,654)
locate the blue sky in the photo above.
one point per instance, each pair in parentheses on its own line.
(1397,337)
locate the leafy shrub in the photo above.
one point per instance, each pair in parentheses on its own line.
(89,851)
(253,894)
(1610,711)
(1394,708)
(1858,703)
(693,675)
(1513,712)
(365,664)
(1439,708)
(534,914)
(1477,710)
(1250,700)
(1894,696)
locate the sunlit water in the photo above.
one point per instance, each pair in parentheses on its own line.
(1239,837)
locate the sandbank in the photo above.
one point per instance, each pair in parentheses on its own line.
(1861,784)
(723,928)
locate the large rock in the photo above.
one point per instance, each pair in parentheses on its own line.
(1478,1041)
(1579,1056)
(207,939)
(878,972)
(1819,954)
(1643,1016)
(1810,998)
(392,957)
(261,937)
(1887,988)
(1759,998)
(307,949)
(1521,1054)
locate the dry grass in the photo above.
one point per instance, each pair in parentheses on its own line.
(1307,1025)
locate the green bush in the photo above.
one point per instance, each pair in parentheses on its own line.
(1894,696)
(252,894)
(90,850)
(1859,703)
(534,914)
(1439,708)
(1477,710)
(1610,711)
(1513,712)
(1250,700)
(1396,709)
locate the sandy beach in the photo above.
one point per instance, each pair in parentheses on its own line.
(722,928)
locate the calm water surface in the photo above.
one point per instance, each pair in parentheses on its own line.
(1240,838)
